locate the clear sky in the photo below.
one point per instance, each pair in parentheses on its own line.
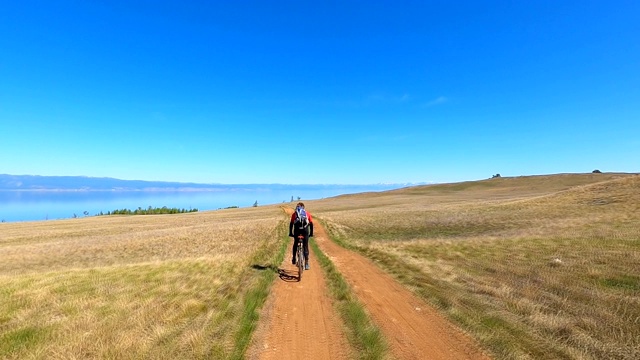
(350,92)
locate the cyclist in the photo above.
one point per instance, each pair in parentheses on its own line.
(301,224)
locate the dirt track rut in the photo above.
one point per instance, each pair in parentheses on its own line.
(309,327)
(299,320)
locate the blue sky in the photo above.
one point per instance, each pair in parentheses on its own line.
(350,92)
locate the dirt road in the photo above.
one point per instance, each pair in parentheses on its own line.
(309,328)
(298,320)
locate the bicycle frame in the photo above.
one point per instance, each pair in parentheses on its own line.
(300,256)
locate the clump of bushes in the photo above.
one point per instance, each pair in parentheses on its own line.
(149,211)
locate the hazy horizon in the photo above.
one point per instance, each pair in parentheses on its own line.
(4,179)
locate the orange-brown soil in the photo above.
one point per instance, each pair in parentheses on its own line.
(300,322)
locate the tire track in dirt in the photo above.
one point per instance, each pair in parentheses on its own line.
(413,329)
(298,320)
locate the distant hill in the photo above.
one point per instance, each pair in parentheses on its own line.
(35,182)
(525,185)
(69,183)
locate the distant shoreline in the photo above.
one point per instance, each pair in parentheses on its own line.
(132,190)
(35,183)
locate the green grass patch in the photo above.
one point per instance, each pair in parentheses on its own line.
(19,339)
(624,282)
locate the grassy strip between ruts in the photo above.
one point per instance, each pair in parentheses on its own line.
(256,297)
(362,333)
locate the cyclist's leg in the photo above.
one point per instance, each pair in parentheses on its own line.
(305,246)
(294,250)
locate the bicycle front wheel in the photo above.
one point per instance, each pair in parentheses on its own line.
(300,263)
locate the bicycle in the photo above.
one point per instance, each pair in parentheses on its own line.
(300,256)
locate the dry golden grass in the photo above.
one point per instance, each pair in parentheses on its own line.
(534,267)
(131,287)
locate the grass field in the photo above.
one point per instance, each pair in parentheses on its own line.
(165,286)
(544,267)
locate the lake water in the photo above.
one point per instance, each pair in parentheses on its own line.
(49,205)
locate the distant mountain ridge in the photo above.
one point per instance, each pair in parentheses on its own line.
(36,182)
(85,183)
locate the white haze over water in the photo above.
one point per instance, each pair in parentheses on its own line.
(49,205)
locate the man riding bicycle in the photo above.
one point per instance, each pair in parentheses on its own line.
(301,224)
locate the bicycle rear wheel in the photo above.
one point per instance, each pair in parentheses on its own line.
(300,262)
